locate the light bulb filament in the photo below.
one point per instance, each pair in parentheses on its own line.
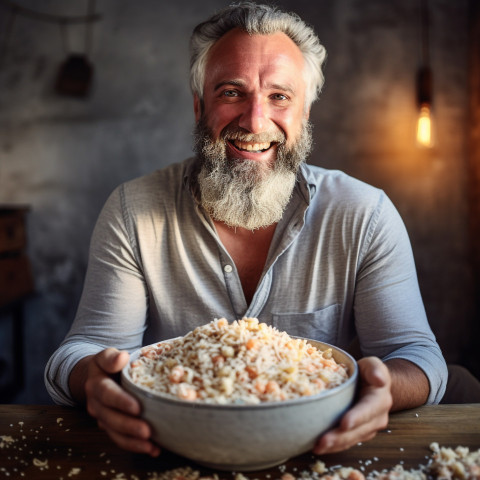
(424,126)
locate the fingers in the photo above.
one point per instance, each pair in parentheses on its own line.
(116,411)
(105,402)
(338,440)
(101,386)
(103,390)
(112,360)
(368,415)
(129,433)
(359,424)
(134,444)
(374,373)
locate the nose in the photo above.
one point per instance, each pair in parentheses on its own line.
(254,116)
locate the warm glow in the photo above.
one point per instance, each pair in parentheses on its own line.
(424,127)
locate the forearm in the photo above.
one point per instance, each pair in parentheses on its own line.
(410,386)
(77,379)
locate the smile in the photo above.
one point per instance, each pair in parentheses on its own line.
(251,147)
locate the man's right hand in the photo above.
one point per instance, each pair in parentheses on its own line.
(117,412)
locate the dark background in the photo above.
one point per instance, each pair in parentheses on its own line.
(62,156)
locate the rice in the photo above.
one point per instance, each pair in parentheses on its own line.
(458,463)
(244,362)
(445,463)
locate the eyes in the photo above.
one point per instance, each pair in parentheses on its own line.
(234,94)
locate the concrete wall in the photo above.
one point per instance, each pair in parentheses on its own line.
(63,156)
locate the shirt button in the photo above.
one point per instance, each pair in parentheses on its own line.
(228,269)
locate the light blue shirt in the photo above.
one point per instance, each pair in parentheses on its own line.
(340,264)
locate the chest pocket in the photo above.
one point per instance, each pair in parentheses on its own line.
(320,325)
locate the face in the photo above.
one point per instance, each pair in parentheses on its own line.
(254,86)
(252,131)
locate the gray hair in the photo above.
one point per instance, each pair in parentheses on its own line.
(261,20)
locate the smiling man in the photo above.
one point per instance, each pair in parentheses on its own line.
(253,112)
(248,228)
(252,134)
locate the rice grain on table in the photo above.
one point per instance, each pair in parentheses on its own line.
(245,362)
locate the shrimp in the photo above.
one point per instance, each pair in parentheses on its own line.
(185,392)
(218,360)
(222,322)
(149,353)
(272,387)
(177,374)
(260,386)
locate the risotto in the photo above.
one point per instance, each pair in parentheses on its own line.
(243,362)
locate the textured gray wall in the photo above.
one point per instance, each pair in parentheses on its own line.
(63,156)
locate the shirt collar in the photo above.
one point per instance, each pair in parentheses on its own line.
(306,182)
(188,173)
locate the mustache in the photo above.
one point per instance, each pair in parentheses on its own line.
(233,132)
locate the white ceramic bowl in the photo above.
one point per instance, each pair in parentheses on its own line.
(244,437)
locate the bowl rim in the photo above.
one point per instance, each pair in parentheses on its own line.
(145,391)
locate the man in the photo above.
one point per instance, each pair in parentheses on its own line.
(246,228)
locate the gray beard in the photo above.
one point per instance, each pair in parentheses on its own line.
(245,193)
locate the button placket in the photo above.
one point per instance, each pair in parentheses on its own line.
(234,287)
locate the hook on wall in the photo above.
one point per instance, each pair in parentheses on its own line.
(75,74)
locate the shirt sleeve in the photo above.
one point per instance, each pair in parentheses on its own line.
(113,307)
(390,316)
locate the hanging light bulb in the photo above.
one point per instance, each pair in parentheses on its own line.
(424,127)
(425,137)
(425,114)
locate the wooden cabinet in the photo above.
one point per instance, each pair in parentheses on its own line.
(16,283)
(15,273)
(13,236)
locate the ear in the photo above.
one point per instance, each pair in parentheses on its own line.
(306,113)
(197,107)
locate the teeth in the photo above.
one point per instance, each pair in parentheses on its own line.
(252,147)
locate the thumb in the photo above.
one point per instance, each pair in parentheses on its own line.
(112,360)
(374,372)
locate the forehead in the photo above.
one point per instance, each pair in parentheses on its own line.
(240,55)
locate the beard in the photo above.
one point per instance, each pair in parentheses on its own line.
(246,193)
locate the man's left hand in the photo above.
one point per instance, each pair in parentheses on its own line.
(368,415)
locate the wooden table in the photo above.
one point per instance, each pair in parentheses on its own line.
(51,442)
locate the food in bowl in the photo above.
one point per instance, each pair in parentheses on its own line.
(244,433)
(245,362)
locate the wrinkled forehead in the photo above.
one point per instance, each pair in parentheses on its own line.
(238,54)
